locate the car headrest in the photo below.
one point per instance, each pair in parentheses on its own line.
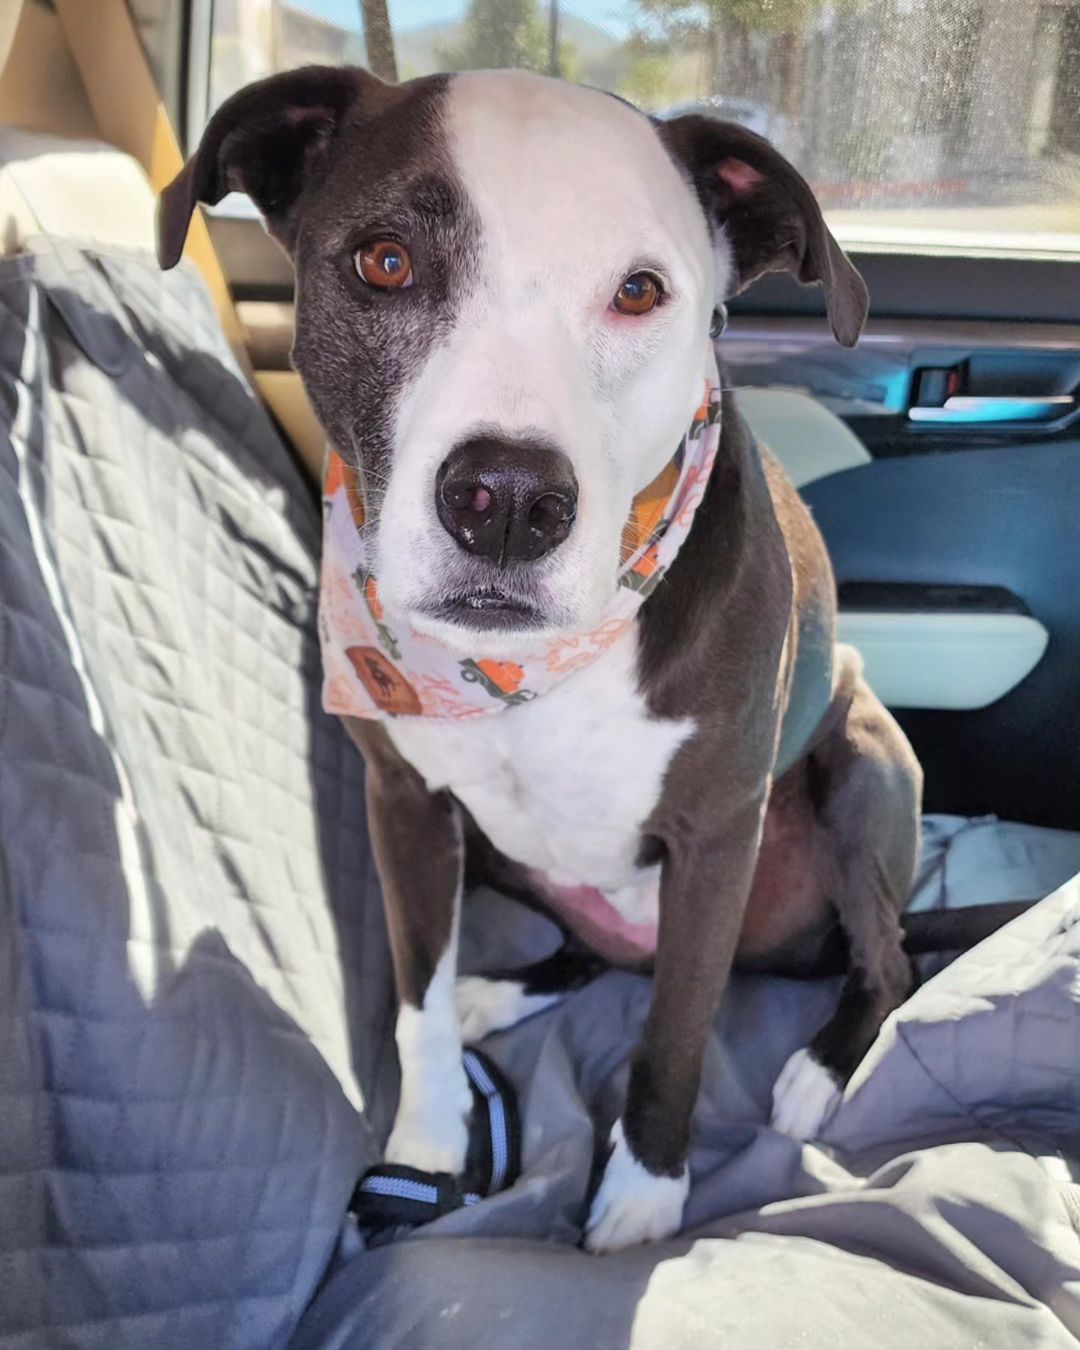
(77,190)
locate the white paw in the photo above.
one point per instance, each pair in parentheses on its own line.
(484,1006)
(431,1128)
(805,1097)
(435,1139)
(632,1205)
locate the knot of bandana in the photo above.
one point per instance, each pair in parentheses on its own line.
(376,666)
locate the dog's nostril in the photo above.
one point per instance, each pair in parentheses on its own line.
(466,496)
(552,512)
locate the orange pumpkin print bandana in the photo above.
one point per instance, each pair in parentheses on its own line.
(376,666)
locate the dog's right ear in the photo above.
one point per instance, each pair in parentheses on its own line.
(265,140)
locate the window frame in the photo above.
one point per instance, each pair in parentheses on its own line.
(191,118)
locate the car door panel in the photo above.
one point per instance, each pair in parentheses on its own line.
(1002,517)
(959,509)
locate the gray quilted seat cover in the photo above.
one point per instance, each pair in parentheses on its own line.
(180,1037)
(195,1049)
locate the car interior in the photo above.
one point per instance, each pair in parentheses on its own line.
(178,663)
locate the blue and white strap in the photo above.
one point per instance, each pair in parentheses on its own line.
(391,1195)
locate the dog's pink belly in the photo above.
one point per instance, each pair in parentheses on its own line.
(589,914)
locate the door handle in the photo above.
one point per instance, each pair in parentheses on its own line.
(997,408)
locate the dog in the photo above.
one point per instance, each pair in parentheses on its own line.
(505,287)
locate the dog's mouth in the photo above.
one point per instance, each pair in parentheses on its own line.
(486,610)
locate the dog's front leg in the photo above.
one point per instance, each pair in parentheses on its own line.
(417,839)
(703,893)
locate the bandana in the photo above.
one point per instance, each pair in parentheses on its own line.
(376,666)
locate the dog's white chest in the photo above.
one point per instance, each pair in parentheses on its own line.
(562,784)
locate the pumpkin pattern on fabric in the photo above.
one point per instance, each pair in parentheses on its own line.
(384,682)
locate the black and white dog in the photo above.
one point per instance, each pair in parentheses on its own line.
(504,292)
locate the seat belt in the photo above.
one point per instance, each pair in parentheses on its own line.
(130,115)
(106,48)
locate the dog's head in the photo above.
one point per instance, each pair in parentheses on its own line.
(504,289)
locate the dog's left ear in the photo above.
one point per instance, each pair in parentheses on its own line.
(767,214)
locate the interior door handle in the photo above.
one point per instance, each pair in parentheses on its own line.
(997,408)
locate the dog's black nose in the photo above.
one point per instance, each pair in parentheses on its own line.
(509,501)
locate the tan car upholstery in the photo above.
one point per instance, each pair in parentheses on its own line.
(80,190)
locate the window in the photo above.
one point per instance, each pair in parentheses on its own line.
(921,123)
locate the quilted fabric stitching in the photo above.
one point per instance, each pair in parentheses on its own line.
(992,957)
(270,708)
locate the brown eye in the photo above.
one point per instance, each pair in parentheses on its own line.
(638,294)
(384,264)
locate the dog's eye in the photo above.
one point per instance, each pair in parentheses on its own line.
(638,294)
(384,264)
